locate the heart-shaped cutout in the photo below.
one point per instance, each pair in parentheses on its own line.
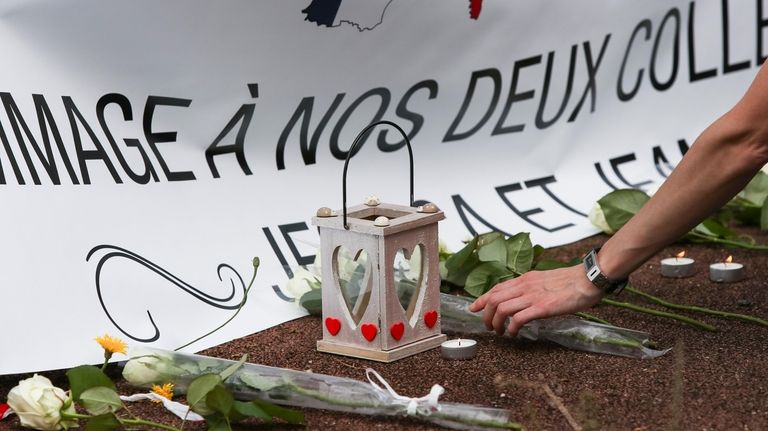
(369,331)
(430,318)
(409,273)
(352,274)
(397,330)
(333,325)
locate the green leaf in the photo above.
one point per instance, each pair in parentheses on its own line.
(757,189)
(250,409)
(620,205)
(85,377)
(105,422)
(485,276)
(494,251)
(488,237)
(549,264)
(714,228)
(742,210)
(100,400)
(218,423)
(220,400)
(288,415)
(764,216)
(261,382)
(312,301)
(232,368)
(537,251)
(458,259)
(198,391)
(459,265)
(519,252)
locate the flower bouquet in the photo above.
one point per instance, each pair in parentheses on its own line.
(249,381)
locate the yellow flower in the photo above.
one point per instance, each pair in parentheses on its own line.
(165,391)
(112,344)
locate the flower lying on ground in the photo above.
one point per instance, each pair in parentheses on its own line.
(165,391)
(39,404)
(149,369)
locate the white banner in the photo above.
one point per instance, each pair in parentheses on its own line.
(151,149)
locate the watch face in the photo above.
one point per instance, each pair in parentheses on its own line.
(589,261)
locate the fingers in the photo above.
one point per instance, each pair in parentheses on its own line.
(506,309)
(500,294)
(481,301)
(522,317)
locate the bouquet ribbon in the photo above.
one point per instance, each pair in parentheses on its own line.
(422,405)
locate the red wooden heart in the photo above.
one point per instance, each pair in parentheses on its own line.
(369,331)
(333,325)
(430,318)
(397,330)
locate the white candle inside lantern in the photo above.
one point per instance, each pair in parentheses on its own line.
(726,272)
(460,348)
(678,266)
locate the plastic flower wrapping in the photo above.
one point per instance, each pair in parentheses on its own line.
(573,333)
(304,389)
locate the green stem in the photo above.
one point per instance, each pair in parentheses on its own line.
(728,242)
(65,415)
(693,322)
(122,421)
(694,308)
(587,340)
(616,342)
(107,355)
(147,423)
(590,317)
(240,307)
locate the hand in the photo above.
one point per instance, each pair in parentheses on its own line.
(535,295)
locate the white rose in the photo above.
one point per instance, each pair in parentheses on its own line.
(39,404)
(442,247)
(597,217)
(302,282)
(143,370)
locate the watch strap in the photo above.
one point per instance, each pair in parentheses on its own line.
(596,276)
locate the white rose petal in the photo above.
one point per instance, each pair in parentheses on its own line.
(147,369)
(597,217)
(301,282)
(39,404)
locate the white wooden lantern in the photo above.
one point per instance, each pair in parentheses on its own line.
(374,322)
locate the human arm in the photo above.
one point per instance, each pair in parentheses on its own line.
(720,163)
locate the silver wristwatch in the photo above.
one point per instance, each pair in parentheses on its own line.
(596,276)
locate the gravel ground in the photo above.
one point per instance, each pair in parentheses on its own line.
(709,381)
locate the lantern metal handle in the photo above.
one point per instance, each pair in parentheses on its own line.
(352,151)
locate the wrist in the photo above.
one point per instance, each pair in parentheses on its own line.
(600,279)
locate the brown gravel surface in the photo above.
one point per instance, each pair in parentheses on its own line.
(710,381)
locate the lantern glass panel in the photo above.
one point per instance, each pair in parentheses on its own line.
(352,274)
(408,270)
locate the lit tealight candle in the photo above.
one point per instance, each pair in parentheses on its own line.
(678,266)
(726,272)
(460,348)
